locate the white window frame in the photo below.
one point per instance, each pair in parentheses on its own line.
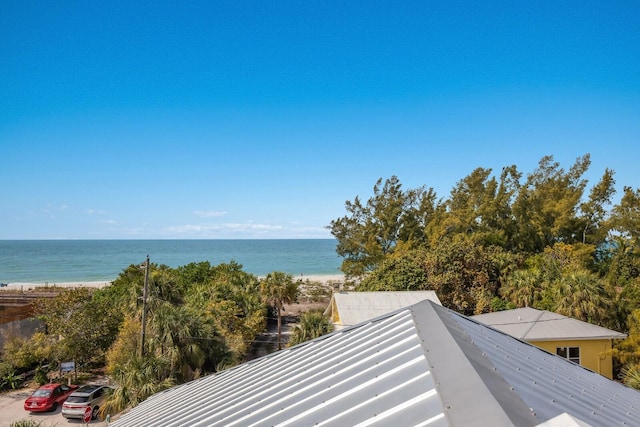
(565,352)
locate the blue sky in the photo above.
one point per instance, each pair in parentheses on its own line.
(254,119)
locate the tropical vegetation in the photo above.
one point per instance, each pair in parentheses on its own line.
(312,324)
(196,319)
(545,240)
(278,289)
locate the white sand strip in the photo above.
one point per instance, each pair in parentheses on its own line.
(322,278)
(33,285)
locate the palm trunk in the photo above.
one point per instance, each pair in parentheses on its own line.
(279,307)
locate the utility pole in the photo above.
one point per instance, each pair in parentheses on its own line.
(144,306)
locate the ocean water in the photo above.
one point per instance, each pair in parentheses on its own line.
(57,261)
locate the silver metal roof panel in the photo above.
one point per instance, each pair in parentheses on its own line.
(551,385)
(530,324)
(371,375)
(421,365)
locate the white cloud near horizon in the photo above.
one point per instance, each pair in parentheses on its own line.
(246,230)
(190,228)
(210,214)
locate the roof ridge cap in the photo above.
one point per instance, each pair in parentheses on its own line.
(533,323)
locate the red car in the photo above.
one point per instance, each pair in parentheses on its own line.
(48,397)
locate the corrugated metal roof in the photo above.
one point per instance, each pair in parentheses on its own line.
(552,385)
(530,324)
(367,375)
(357,307)
(421,365)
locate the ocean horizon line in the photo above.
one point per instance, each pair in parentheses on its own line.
(63,260)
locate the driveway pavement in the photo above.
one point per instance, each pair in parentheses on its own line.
(11,410)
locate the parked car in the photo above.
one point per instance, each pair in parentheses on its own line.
(93,395)
(48,397)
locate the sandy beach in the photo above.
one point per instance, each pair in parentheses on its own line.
(325,279)
(26,286)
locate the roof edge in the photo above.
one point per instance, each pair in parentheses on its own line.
(487,395)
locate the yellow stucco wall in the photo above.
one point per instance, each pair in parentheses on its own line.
(592,353)
(335,316)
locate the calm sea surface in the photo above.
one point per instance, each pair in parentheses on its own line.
(52,261)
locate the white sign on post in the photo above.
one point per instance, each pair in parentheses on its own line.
(67,366)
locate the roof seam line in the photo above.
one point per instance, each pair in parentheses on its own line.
(533,323)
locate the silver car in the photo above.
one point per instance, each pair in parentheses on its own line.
(93,395)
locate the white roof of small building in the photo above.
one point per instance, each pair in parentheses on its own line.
(422,365)
(357,307)
(530,324)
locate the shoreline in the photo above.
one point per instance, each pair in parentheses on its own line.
(46,285)
(325,279)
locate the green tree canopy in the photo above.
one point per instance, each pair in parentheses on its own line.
(546,205)
(464,274)
(521,217)
(625,217)
(86,326)
(402,272)
(372,231)
(479,206)
(594,218)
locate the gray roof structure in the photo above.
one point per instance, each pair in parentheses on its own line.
(423,365)
(530,324)
(358,307)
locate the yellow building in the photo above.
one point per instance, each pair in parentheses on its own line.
(572,339)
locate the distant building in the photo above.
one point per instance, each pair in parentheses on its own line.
(351,308)
(422,365)
(573,339)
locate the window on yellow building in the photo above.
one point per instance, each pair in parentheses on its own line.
(571,353)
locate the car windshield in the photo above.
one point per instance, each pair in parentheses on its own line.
(77,399)
(42,393)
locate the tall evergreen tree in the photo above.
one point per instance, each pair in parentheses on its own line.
(371,231)
(625,216)
(546,207)
(594,213)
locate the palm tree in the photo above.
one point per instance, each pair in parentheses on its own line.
(313,324)
(137,380)
(581,295)
(277,289)
(187,339)
(522,287)
(631,376)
